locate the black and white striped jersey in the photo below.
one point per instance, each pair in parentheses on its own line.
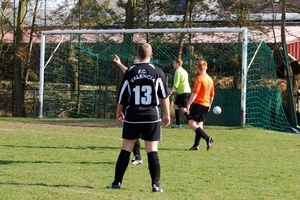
(142,87)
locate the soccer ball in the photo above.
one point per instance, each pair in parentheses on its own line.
(217,110)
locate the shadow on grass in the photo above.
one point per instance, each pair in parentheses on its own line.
(84,147)
(43,184)
(77,122)
(104,123)
(8,162)
(62,147)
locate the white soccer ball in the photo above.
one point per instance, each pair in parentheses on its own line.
(217,110)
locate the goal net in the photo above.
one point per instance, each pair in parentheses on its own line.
(79,79)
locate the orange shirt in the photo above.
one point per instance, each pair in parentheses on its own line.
(204,88)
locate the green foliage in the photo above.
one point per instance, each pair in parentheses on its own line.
(90,14)
(237,14)
(75,159)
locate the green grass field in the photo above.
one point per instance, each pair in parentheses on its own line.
(75,159)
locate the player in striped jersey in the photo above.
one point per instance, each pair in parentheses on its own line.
(142,88)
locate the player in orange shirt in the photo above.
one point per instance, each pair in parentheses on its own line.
(202,97)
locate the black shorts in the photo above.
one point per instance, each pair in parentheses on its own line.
(182,99)
(145,131)
(198,113)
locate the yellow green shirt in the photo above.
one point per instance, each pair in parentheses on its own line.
(181,81)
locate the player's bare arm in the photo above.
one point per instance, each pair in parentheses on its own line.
(191,100)
(117,60)
(120,116)
(166,107)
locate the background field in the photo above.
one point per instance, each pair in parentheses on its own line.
(75,159)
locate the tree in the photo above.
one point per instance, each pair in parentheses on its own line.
(6,58)
(90,14)
(237,13)
(186,18)
(28,62)
(21,57)
(18,90)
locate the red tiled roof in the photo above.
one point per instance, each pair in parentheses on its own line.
(292,34)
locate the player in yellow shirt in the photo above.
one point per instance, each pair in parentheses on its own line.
(182,86)
(202,97)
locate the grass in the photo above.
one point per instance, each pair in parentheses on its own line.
(75,159)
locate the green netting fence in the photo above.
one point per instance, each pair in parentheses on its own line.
(80,79)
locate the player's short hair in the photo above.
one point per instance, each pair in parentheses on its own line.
(179,61)
(202,65)
(145,51)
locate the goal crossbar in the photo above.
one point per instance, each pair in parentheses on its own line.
(165,30)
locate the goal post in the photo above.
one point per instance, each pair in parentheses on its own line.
(79,79)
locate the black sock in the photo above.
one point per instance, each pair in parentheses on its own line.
(154,167)
(197,138)
(121,166)
(137,157)
(202,133)
(177,116)
(136,150)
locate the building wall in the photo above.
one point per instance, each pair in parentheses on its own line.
(294,49)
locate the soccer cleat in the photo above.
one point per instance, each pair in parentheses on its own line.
(209,142)
(177,126)
(194,148)
(114,186)
(137,162)
(156,188)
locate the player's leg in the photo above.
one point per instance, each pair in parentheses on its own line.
(185,99)
(177,115)
(193,126)
(209,140)
(200,133)
(197,115)
(200,124)
(151,144)
(137,153)
(197,137)
(129,134)
(153,164)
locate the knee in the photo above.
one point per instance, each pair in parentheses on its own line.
(191,124)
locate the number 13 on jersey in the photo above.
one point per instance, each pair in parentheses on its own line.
(142,95)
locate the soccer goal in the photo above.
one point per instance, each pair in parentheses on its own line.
(79,79)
